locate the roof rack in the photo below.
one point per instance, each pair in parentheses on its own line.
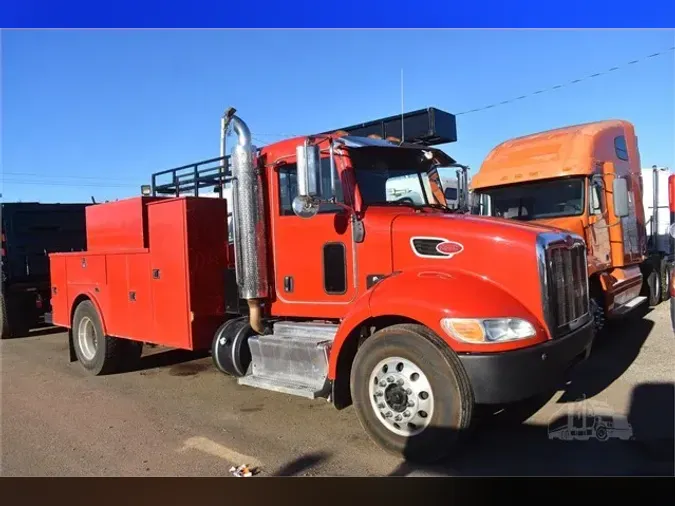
(189,179)
(425,127)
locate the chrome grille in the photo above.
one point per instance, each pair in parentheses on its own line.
(564,282)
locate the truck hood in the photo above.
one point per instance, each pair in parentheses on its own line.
(499,251)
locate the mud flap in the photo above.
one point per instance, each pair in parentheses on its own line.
(71,346)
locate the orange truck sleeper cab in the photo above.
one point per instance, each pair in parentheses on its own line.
(585,179)
(332,287)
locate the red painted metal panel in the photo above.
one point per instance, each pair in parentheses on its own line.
(168,258)
(120,225)
(59,296)
(86,268)
(118,321)
(139,298)
(207,260)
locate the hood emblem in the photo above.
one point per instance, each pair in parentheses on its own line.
(435,247)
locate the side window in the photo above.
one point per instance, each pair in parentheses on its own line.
(288,188)
(620,148)
(596,196)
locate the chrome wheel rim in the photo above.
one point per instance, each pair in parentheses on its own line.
(86,338)
(401,396)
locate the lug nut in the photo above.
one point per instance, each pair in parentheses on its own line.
(378,394)
(388,414)
(383,384)
(399,381)
(408,391)
(390,379)
(406,414)
(381,405)
(411,404)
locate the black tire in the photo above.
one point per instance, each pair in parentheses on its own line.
(665,270)
(229,350)
(453,400)
(109,353)
(653,287)
(6,333)
(17,325)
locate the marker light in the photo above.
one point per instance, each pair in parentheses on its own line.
(488,330)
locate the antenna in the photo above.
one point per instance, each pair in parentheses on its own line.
(402,110)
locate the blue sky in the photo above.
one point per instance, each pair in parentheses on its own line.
(94,113)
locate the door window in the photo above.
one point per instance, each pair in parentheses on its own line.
(288,188)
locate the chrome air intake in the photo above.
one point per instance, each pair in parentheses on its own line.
(563,273)
(250,242)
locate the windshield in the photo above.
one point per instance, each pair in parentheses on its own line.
(392,176)
(530,201)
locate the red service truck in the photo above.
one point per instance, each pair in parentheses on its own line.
(332,287)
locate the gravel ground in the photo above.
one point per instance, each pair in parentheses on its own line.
(177,416)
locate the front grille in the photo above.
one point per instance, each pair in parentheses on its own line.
(565,287)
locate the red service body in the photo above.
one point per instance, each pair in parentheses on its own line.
(158,278)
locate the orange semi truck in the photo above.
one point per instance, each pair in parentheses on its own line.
(331,287)
(585,179)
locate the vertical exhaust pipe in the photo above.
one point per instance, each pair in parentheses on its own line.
(250,241)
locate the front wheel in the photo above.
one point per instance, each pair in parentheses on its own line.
(411,393)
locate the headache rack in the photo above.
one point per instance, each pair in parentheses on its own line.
(189,179)
(425,127)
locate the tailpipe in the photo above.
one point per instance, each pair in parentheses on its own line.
(248,219)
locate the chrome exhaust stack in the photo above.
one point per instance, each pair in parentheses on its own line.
(250,241)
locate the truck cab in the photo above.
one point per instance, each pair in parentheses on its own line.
(585,179)
(332,287)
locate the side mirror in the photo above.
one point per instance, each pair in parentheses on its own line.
(620,189)
(306,204)
(309,170)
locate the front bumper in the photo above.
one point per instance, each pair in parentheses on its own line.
(511,376)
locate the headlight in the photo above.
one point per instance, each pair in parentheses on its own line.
(488,330)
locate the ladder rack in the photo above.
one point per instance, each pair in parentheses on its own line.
(189,179)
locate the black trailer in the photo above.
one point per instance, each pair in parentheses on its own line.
(30,231)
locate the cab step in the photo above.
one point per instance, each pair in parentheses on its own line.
(629,306)
(293,359)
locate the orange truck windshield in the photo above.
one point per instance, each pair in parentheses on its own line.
(553,198)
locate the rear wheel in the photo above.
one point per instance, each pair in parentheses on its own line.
(3,318)
(13,316)
(411,393)
(666,272)
(98,353)
(653,286)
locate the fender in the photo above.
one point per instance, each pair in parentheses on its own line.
(94,300)
(358,314)
(427,296)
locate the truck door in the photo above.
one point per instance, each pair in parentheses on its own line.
(314,267)
(598,240)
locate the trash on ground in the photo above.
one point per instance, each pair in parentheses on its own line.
(243,471)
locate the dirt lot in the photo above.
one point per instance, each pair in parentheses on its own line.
(177,416)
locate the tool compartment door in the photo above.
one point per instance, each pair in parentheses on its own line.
(59,291)
(207,232)
(171,315)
